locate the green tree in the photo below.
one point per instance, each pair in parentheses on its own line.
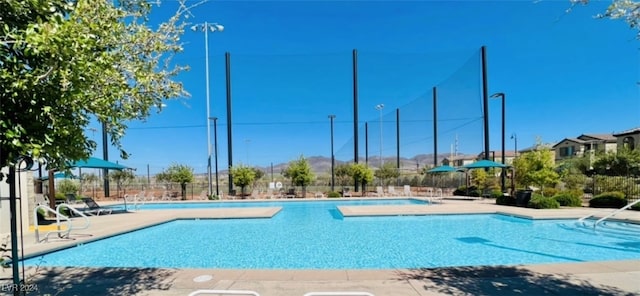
(387,172)
(299,171)
(67,186)
(536,168)
(66,63)
(258,175)
(243,176)
(572,172)
(121,178)
(178,173)
(623,162)
(362,174)
(343,174)
(89,179)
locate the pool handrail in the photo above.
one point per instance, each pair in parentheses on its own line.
(224,292)
(61,233)
(615,213)
(590,215)
(339,294)
(75,211)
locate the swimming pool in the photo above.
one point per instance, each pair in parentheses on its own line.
(313,235)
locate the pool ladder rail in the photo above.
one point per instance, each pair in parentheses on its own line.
(595,224)
(62,233)
(136,200)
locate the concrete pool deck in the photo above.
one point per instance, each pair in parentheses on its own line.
(588,278)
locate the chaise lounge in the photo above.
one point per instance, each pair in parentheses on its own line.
(93,208)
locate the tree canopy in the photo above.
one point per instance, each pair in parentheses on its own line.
(243,176)
(65,63)
(536,168)
(387,172)
(623,162)
(361,173)
(178,173)
(299,171)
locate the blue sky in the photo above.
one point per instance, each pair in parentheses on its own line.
(564,74)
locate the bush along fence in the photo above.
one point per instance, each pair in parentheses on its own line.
(629,186)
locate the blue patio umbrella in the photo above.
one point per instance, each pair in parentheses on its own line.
(484,164)
(443,169)
(97,163)
(60,175)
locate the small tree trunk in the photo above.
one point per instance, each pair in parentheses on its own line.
(183,186)
(304,191)
(242,191)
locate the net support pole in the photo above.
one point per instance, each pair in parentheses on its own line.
(355,111)
(398,144)
(227,59)
(435,127)
(485,102)
(366,143)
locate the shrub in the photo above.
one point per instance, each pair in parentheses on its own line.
(573,192)
(541,202)
(549,191)
(67,186)
(462,191)
(566,199)
(60,196)
(333,194)
(496,193)
(65,211)
(41,214)
(506,200)
(613,199)
(636,207)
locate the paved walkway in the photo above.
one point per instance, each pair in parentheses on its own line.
(591,278)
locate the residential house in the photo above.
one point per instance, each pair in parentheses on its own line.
(628,139)
(496,156)
(586,144)
(459,160)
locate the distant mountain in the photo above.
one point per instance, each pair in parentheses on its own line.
(322,164)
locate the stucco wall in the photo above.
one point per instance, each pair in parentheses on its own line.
(24,191)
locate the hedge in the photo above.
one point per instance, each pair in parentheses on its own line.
(613,199)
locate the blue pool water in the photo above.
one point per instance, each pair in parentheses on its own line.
(313,235)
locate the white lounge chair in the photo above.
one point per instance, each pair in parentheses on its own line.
(406,190)
(93,208)
(379,191)
(391,191)
(203,195)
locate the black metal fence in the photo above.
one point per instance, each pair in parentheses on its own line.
(599,184)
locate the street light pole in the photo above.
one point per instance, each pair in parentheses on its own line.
(206,27)
(333,180)
(514,137)
(379,107)
(502,176)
